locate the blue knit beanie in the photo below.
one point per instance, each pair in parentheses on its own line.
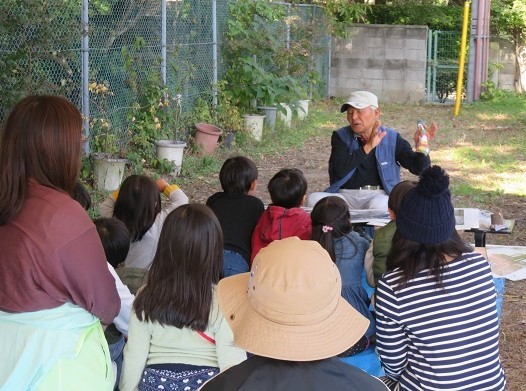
(426,214)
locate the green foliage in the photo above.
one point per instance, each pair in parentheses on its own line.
(436,17)
(227,115)
(344,12)
(164,166)
(155,115)
(36,41)
(508,19)
(489,90)
(262,70)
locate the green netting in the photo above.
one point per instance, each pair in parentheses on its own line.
(442,70)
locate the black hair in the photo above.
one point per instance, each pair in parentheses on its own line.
(287,188)
(115,239)
(413,257)
(137,205)
(81,195)
(187,264)
(398,192)
(237,174)
(330,220)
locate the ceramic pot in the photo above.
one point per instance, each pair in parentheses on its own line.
(303,109)
(270,116)
(287,117)
(172,151)
(254,125)
(107,171)
(206,137)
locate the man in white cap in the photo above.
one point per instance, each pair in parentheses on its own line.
(289,313)
(366,156)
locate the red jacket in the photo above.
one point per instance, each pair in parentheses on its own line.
(279,223)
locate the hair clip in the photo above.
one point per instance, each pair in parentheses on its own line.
(326,228)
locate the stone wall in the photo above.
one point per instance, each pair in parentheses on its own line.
(388,60)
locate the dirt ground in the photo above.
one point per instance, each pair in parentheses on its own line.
(312,158)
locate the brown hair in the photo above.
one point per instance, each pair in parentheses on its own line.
(187,264)
(41,140)
(137,205)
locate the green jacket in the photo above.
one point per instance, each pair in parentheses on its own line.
(381,247)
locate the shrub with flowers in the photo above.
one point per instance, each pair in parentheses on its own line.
(103,137)
(154,116)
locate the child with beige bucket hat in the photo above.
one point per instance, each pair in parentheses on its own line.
(288,312)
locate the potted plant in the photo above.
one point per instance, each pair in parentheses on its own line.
(206,134)
(105,145)
(171,149)
(255,87)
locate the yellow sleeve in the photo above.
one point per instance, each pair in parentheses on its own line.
(169,189)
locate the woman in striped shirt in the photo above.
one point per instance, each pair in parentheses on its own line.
(437,323)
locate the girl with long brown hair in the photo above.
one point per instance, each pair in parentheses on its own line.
(177,331)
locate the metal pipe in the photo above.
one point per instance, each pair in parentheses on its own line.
(287,35)
(471,62)
(435,61)
(163,41)
(85,75)
(214,53)
(478,53)
(428,65)
(486,45)
(462,57)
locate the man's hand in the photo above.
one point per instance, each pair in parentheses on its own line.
(376,137)
(431,130)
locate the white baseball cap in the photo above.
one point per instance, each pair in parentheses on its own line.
(360,100)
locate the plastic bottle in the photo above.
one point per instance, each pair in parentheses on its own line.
(423,142)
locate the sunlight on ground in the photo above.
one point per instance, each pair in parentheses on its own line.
(485,174)
(490,117)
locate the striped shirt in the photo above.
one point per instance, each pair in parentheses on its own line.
(431,338)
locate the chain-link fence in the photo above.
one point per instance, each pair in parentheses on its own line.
(133,48)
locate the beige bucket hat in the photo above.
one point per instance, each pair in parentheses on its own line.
(289,307)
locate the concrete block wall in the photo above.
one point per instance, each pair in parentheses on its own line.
(388,60)
(503,52)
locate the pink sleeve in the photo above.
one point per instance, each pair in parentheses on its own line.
(87,279)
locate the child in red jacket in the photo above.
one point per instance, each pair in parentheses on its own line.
(284,217)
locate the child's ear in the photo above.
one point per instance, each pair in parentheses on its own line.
(253,186)
(303,200)
(391,214)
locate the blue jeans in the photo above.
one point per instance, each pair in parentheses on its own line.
(233,263)
(116,355)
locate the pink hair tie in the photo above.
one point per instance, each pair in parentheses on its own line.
(326,228)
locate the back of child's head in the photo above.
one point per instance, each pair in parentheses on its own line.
(81,195)
(397,194)
(115,239)
(137,205)
(187,263)
(287,188)
(330,220)
(237,174)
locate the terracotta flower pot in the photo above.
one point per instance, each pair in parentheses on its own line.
(206,137)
